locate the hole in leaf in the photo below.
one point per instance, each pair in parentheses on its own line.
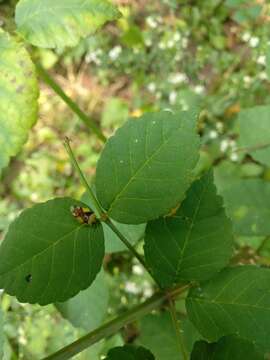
(28,278)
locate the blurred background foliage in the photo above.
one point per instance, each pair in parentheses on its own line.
(181,54)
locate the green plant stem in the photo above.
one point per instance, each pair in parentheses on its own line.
(129,246)
(82,177)
(177,329)
(70,103)
(253,148)
(99,209)
(115,325)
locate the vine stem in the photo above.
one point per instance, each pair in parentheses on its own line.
(82,177)
(177,329)
(130,247)
(110,328)
(253,148)
(44,75)
(103,216)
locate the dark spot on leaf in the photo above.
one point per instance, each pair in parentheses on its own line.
(28,278)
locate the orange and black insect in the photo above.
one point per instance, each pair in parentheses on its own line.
(84,215)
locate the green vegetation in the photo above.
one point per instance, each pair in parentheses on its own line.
(135,179)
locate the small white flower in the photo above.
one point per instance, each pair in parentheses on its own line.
(152,87)
(148,292)
(162,45)
(170,44)
(234,157)
(261,60)
(176,36)
(178,78)
(219,126)
(92,57)
(199,89)
(148,42)
(247,79)
(254,41)
(224,144)
(184,43)
(263,75)
(34,197)
(137,269)
(132,288)
(246,36)
(151,22)
(115,52)
(213,134)
(173,97)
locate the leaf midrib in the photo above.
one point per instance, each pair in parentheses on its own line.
(44,250)
(193,219)
(144,164)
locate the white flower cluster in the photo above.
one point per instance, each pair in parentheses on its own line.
(253,41)
(93,57)
(174,40)
(229,145)
(178,78)
(115,52)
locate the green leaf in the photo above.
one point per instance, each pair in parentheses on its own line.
(157,334)
(87,309)
(228,347)
(236,301)
(133,233)
(2,336)
(48,255)
(193,244)
(129,352)
(58,23)
(247,204)
(255,132)
(146,167)
(18,97)
(268,62)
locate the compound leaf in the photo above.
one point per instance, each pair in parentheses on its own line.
(193,244)
(146,167)
(129,352)
(228,347)
(87,309)
(236,301)
(18,94)
(48,255)
(58,23)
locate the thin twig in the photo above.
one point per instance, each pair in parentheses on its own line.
(113,326)
(252,148)
(177,329)
(82,177)
(70,103)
